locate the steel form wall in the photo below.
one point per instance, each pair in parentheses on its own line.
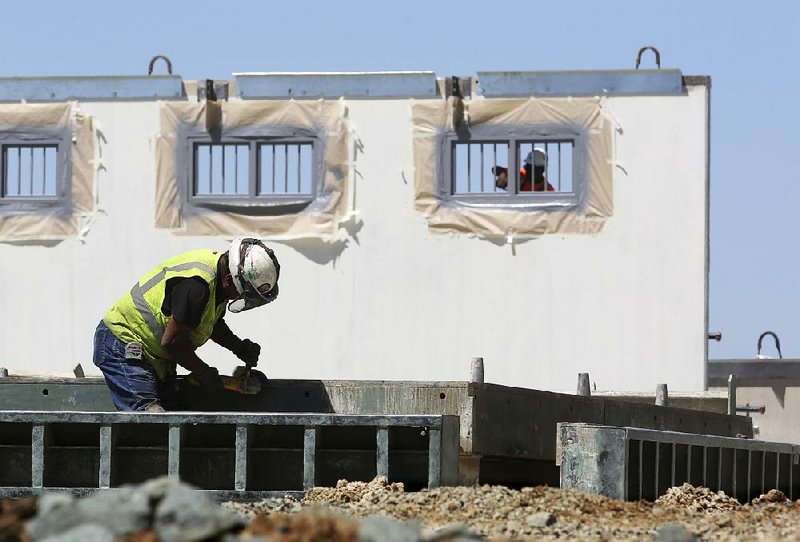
(240,455)
(630,463)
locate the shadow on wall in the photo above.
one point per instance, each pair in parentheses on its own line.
(324,252)
(46,243)
(504,241)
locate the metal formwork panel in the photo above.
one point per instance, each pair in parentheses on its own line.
(238,455)
(631,463)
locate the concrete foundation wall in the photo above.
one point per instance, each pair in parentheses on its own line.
(394,301)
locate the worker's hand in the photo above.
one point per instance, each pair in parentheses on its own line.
(210,380)
(248,352)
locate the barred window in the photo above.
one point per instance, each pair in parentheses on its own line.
(522,168)
(253,170)
(29,171)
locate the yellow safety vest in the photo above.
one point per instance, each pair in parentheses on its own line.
(137,317)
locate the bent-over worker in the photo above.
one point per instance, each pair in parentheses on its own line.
(173,310)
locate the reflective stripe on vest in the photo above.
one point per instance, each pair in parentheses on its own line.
(138,292)
(137,315)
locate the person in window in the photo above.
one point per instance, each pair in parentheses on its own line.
(171,311)
(535,165)
(531,175)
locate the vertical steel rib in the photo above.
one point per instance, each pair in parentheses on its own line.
(657,473)
(240,465)
(672,466)
(37,456)
(174,452)
(309,457)
(749,473)
(705,466)
(382,452)
(641,467)
(104,474)
(434,458)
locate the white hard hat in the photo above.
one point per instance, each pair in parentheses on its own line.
(539,158)
(255,271)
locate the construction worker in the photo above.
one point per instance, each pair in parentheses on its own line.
(534,169)
(171,311)
(531,174)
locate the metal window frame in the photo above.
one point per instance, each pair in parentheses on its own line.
(253,198)
(62,175)
(514,136)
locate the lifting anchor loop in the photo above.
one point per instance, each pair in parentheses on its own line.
(777,345)
(153,61)
(651,48)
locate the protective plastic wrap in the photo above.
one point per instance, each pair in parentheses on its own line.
(434,120)
(324,120)
(74,201)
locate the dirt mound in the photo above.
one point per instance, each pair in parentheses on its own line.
(352,491)
(699,499)
(772,496)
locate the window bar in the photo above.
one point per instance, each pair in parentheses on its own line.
(285,169)
(546,164)
(494,152)
(469,167)
(44,170)
(559,167)
(236,169)
(19,171)
(482,189)
(30,155)
(454,168)
(273,168)
(298,168)
(210,170)
(224,183)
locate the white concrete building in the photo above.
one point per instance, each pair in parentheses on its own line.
(396,262)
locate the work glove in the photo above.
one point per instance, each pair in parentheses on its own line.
(211,381)
(248,352)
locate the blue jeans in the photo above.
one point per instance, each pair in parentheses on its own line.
(133,383)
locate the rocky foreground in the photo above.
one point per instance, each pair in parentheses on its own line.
(379,511)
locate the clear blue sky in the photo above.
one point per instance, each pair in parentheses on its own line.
(750,50)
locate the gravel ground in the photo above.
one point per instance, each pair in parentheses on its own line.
(380,511)
(543,513)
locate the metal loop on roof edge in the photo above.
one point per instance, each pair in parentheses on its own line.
(153,61)
(777,343)
(651,48)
